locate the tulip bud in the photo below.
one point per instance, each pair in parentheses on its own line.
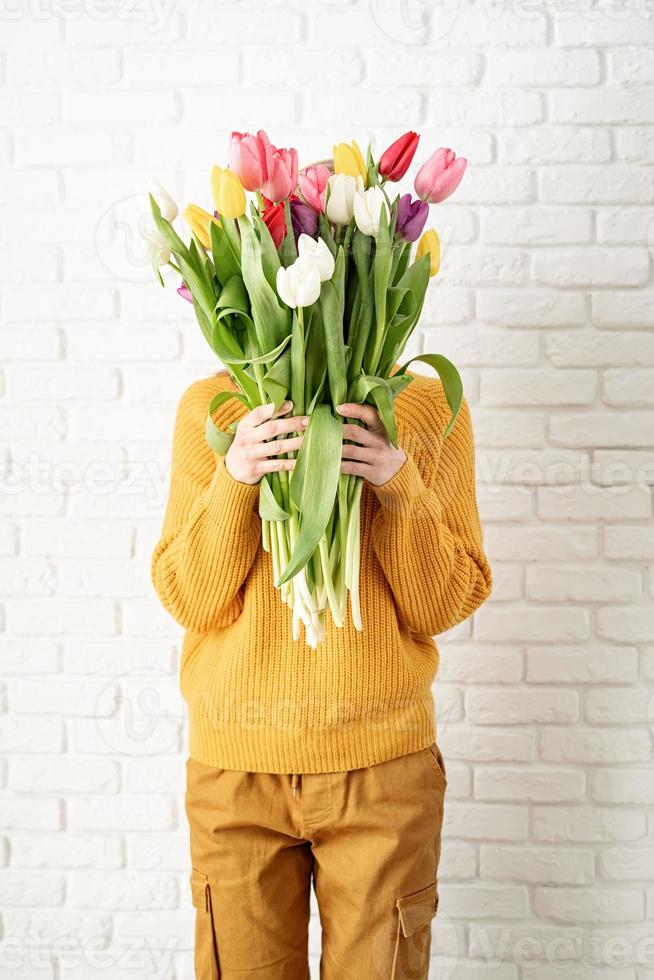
(312,183)
(228,193)
(299,284)
(199,221)
(249,158)
(165,201)
(157,248)
(430,245)
(368,207)
(281,177)
(274,218)
(340,202)
(348,160)
(411,218)
(440,176)
(396,160)
(317,254)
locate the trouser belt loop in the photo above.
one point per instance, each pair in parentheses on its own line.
(295,778)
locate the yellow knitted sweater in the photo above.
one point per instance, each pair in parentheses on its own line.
(257,699)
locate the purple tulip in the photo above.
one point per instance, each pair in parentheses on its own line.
(303,218)
(411,218)
(185,293)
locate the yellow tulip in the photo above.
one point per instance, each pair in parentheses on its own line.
(430,245)
(228,193)
(199,221)
(348,160)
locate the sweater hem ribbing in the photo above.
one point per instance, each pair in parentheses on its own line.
(335,748)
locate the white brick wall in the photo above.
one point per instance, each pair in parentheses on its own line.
(545,702)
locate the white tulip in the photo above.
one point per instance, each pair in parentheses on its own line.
(299,285)
(156,245)
(317,254)
(340,202)
(166,202)
(368,208)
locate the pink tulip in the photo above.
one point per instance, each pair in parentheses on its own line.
(282,171)
(250,158)
(185,293)
(313,182)
(440,176)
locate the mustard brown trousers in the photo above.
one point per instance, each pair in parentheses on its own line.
(368,838)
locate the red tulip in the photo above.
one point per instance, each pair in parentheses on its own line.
(396,160)
(275,219)
(440,176)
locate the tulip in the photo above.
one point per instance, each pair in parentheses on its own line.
(368,209)
(313,184)
(348,160)
(299,284)
(281,177)
(411,218)
(440,176)
(157,248)
(340,202)
(396,160)
(303,218)
(185,293)
(228,193)
(430,245)
(275,220)
(167,205)
(199,221)
(249,158)
(317,254)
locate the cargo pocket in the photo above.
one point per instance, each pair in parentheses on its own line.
(206,950)
(413,942)
(438,761)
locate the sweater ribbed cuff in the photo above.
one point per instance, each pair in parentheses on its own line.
(230,503)
(399,494)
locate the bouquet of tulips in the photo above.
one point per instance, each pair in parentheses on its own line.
(312,294)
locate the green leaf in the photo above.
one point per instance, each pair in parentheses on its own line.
(334,345)
(288,248)
(218,440)
(313,485)
(269,254)
(277,380)
(225,262)
(325,230)
(269,509)
(232,235)
(382,394)
(234,296)
(271,321)
(450,379)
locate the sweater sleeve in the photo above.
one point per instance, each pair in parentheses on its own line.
(427,536)
(211,530)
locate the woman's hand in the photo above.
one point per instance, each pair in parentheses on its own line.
(376,457)
(248,457)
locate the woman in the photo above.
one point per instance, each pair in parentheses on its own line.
(317,764)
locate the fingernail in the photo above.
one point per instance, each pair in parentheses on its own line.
(305,421)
